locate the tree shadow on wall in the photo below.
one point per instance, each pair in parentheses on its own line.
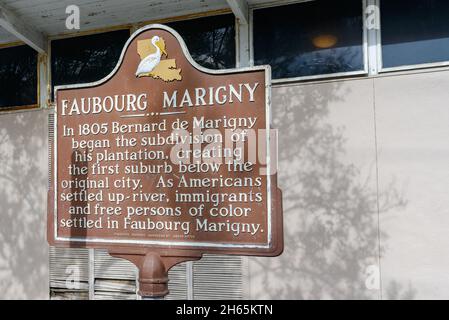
(23,190)
(330,208)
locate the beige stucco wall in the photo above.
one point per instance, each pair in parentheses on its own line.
(23,186)
(340,229)
(327,175)
(413,149)
(346,238)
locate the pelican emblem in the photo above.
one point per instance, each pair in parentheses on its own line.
(152,65)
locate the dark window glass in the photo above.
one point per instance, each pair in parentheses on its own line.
(311,38)
(86,59)
(18,76)
(414,32)
(210,40)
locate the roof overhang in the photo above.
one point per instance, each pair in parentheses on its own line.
(34,22)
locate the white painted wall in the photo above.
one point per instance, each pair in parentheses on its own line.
(24,261)
(413,144)
(336,222)
(328,176)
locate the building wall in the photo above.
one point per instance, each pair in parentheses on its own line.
(413,149)
(360,224)
(24,264)
(327,175)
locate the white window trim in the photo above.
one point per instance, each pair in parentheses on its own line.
(374,39)
(423,66)
(372,50)
(362,72)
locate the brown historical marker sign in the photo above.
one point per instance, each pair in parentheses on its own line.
(164,160)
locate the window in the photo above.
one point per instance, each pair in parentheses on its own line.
(311,38)
(18,77)
(414,32)
(210,40)
(86,59)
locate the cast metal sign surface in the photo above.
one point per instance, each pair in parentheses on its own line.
(167,155)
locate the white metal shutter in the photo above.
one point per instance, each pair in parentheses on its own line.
(114,278)
(178,284)
(213,277)
(218,277)
(66,267)
(51,130)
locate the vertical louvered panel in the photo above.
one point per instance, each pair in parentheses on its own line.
(115,289)
(178,282)
(51,128)
(115,279)
(108,267)
(218,277)
(66,265)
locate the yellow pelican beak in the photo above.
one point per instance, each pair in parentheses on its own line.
(161,45)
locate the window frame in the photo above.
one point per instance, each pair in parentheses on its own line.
(132,28)
(372,50)
(419,66)
(206,15)
(36,105)
(69,36)
(363,72)
(194,16)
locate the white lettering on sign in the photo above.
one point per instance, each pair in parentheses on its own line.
(210,96)
(129,102)
(95,105)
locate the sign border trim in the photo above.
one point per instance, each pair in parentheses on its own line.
(187,55)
